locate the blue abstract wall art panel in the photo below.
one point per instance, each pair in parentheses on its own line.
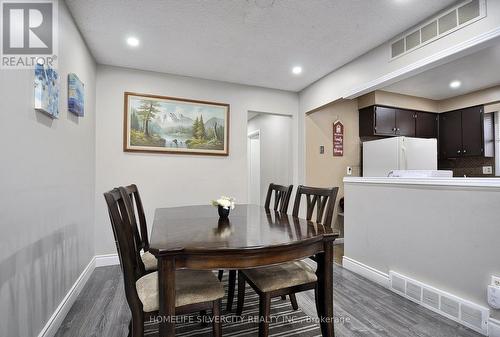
(76,95)
(46,91)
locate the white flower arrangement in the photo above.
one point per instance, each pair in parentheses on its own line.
(225,202)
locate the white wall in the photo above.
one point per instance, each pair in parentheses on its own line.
(443,236)
(374,69)
(168,179)
(47,200)
(275,150)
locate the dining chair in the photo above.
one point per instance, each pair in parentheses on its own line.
(147,259)
(291,277)
(321,200)
(195,290)
(282,196)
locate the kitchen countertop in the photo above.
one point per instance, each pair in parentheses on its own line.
(465,182)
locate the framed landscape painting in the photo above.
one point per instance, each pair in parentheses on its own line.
(175,125)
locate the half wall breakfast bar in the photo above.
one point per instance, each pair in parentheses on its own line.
(432,241)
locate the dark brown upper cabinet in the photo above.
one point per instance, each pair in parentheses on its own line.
(426,125)
(472,131)
(450,134)
(387,121)
(405,123)
(461,133)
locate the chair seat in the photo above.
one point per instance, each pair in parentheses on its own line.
(150,262)
(191,286)
(281,276)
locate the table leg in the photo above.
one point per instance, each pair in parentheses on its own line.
(166,284)
(324,272)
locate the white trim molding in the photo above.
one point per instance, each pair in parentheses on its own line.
(414,291)
(384,280)
(493,327)
(106,260)
(366,271)
(55,321)
(460,182)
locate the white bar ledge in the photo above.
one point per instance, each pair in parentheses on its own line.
(463,182)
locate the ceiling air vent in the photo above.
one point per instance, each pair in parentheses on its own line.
(441,25)
(429,31)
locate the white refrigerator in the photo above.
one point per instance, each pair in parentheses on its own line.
(382,156)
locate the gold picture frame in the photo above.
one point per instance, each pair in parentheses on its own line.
(162,124)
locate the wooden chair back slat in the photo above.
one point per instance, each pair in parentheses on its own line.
(141,236)
(282,196)
(321,200)
(119,210)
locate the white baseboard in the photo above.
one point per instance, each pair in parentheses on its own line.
(466,310)
(493,328)
(106,260)
(384,280)
(55,321)
(366,271)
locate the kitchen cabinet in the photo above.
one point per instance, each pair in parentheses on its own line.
(461,133)
(389,121)
(385,120)
(450,134)
(426,125)
(405,123)
(472,131)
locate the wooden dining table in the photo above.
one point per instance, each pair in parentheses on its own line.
(194,237)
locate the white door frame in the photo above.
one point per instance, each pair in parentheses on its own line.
(496,137)
(253,134)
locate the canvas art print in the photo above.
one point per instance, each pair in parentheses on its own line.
(174,125)
(46,91)
(75,95)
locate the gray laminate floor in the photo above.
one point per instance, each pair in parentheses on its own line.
(362,307)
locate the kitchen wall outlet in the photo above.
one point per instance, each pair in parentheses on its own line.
(495,281)
(321,149)
(487,169)
(349,171)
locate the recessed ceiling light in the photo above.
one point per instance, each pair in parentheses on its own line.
(297,70)
(132,41)
(455,84)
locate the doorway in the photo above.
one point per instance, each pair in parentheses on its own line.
(269,153)
(254,167)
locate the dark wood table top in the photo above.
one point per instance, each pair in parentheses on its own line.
(198,228)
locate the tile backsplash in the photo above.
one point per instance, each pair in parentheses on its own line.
(469,166)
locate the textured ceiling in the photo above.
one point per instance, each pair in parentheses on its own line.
(253,42)
(476,71)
